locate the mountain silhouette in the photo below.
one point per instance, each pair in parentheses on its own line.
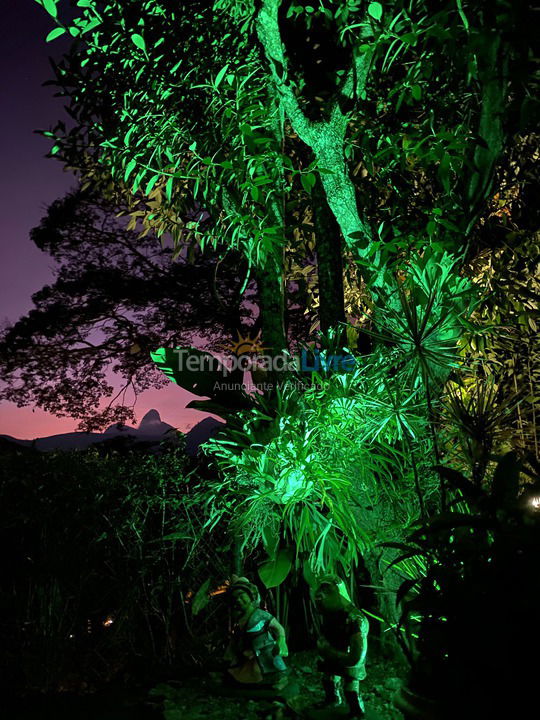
(150,433)
(152,424)
(200,433)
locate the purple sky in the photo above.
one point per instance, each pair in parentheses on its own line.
(29,182)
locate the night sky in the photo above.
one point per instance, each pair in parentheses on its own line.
(29,182)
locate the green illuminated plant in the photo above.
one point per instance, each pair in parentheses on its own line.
(318,471)
(207,115)
(424,316)
(276,116)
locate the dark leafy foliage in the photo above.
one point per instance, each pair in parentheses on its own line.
(471,613)
(96,569)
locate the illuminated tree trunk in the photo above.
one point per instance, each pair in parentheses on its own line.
(329,262)
(325,138)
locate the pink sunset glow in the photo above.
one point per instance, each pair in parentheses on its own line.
(30,423)
(28,184)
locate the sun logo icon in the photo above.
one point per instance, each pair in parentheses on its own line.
(245,345)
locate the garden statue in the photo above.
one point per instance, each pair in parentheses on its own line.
(342,646)
(258,645)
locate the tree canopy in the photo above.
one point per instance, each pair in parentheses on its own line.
(116,296)
(325,145)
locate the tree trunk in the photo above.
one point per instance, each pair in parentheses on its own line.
(271,285)
(493,76)
(326,138)
(329,262)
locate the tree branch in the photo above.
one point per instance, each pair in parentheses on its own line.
(325,138)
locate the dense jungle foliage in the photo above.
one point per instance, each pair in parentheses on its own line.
(346,179)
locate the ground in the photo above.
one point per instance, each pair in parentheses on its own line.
(195,700)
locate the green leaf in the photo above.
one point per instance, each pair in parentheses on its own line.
(274,572)
(168,188)
(138,179)
(401,558)
(416,91)
(308,181)
(94,22)
(198,375)
(55,33)
(202,598)
(175,536)
(270,538)
(138,40)
(375,9)
(309,576)
(129,169)
(151,184)
(128,135)
(50,7)
(220,75)
(448,225)
(410,38)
